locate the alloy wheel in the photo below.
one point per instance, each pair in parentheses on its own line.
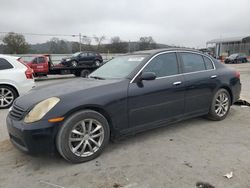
(74,64)
(97,63)
(221,104)
(6,97)
(86,137)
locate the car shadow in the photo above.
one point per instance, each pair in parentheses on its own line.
(18,159)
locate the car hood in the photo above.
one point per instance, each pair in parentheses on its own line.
(58,90)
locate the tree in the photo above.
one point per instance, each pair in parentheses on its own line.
(99,41)
(147,43)
(15,43)
(117,46)
(58,46)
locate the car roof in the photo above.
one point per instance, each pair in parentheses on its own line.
(8,56)
(155,51)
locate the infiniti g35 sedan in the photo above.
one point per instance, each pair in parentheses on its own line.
(128,94)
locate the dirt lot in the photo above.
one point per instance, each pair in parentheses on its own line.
(174,156)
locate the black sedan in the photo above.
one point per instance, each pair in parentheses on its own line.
(128,94)
(236,58)
(83,59)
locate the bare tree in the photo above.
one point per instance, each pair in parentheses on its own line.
(115,39)
(99,40)
(86,40)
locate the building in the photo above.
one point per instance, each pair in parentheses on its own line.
(228,46)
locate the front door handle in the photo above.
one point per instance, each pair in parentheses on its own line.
(177,83)
(214,76)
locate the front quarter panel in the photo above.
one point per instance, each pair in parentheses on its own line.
(111,98)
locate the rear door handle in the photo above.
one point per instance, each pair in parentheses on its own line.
(177,83)
(214,76)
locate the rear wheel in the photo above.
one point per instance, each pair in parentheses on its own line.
(220,105)
(7,96)
(84,73)
(83,136)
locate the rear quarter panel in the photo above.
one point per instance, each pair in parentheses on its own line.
(228,79)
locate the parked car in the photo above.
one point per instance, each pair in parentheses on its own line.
(128,94)
(83,58)
(236,58)
(15,79)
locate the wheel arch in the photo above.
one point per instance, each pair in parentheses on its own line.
(98,109)
(12,86)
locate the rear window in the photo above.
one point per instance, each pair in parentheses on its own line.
(4,64)
(41,60)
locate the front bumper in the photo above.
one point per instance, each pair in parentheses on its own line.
(38,137)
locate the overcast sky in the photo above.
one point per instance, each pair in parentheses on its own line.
(180,22)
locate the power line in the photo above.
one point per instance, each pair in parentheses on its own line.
(41,34)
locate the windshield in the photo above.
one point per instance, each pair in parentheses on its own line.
(76,54)
(119,67)
(233,56)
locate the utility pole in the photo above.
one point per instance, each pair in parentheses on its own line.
(80,42)
(129,46)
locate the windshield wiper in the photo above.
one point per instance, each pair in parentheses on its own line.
(97,77)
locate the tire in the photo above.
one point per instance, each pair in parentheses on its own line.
(97,63)
(84,73)
(7,96)
(217,103)
(74,64)
(78,148)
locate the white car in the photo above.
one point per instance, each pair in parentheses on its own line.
(15,79)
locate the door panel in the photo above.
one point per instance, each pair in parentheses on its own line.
(200,81)
(200,88)
(85,59)
(155,101)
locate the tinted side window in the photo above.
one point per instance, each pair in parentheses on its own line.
(163,65)
(4,64)
(192,62)
(35,60)
(84,54)
(208,63)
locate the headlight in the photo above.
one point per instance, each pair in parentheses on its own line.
(68,59)
(41,109)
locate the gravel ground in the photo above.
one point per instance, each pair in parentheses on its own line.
(174,156)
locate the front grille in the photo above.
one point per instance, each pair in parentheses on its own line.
(16,112)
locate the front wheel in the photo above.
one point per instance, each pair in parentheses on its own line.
(83,136)
(220,105)
(74,64)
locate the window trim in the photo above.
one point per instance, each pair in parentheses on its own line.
(203,57)
(179,61)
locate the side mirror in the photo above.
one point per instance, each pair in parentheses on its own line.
(148,76)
